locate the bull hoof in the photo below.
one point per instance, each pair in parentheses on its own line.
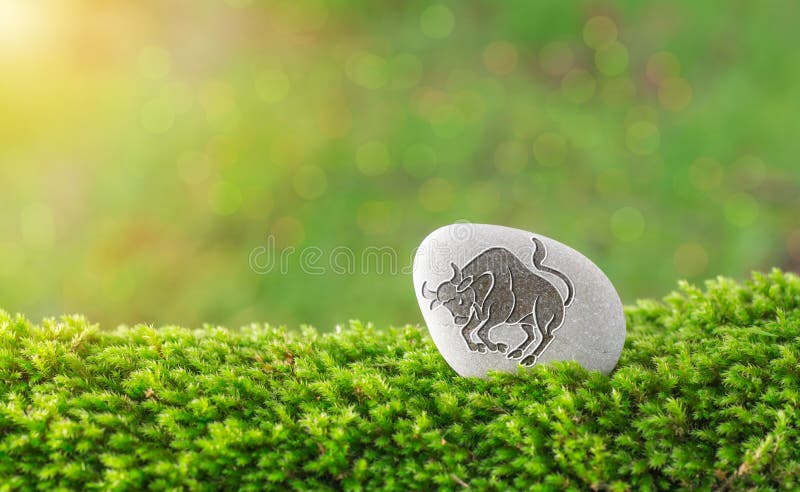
(479,347)
(501,347)
(529,361)
(515,354)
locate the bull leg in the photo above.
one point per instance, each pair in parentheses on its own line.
(547,337)
(530,336)
(466,332)
(483,334)
(531,359)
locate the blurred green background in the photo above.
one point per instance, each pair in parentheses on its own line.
(147,149)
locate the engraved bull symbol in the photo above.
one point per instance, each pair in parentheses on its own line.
(496,288)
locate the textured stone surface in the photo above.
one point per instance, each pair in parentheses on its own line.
(495,298)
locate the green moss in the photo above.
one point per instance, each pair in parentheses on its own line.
(705,396)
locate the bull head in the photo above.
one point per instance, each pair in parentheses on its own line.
(455,294)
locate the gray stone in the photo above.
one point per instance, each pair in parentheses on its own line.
(496,298)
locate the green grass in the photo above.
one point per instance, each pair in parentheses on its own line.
(705,396)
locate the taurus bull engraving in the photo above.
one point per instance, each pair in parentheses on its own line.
(496,288)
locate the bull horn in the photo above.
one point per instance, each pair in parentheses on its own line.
(427,293)
(456,274)
(435,304)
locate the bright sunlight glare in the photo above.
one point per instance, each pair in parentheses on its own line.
(23,26)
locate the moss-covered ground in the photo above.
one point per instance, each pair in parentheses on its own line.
(705,396)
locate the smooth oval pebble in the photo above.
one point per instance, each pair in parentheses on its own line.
(497,298)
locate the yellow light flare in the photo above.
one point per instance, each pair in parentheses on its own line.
(25,27)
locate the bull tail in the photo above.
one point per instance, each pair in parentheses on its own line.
(538,257)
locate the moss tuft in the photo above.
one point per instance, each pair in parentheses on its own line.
(705,396)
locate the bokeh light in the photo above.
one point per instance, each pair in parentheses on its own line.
(600,32)
(368,70)
(437,21)
(741,210)
(612,59)
(627,224)
(147,149)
